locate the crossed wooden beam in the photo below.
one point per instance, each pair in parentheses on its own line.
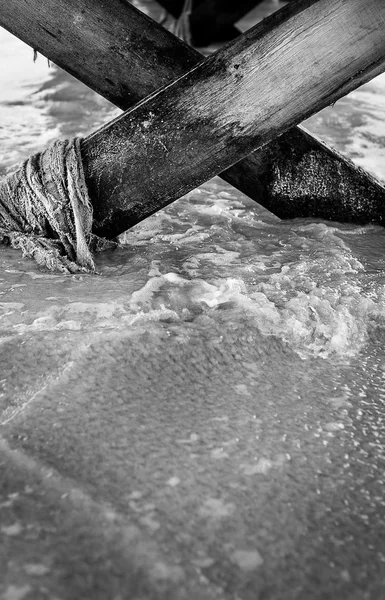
(215,111)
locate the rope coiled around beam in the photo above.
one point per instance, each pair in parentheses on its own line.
(46,212)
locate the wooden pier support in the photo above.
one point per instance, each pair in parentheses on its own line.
(239,75)
(244,95)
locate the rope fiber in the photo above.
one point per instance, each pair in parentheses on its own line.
(46,212)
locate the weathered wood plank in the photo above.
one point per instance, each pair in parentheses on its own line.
(113,48)
(300,176)
(129,56)
(273,77)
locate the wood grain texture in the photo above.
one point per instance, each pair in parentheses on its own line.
(132,72)
(110,46)
(251,91)
(300,176)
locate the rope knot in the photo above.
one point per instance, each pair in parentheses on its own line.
(45,210)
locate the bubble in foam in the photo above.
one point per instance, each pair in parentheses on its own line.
(312,320)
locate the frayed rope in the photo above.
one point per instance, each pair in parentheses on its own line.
(46,212)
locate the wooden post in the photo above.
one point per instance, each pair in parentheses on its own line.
(301,176)
(128,56)
(110,46)
(252,90)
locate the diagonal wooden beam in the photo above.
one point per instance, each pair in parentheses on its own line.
(110,46)
(251,91)
(124,56)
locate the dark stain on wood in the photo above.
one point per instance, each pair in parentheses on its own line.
(300,176)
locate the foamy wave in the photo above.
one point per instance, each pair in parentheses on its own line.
(312,320)
(301,283)
(317,322)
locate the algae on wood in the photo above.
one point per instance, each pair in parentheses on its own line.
(300,176)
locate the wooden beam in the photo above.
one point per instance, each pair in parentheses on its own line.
(110,46)
(300,176)
(274,76)
(124,55)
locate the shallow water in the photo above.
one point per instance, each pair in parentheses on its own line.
(212,298)
(317,286)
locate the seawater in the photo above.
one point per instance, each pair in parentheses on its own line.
(214,268)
